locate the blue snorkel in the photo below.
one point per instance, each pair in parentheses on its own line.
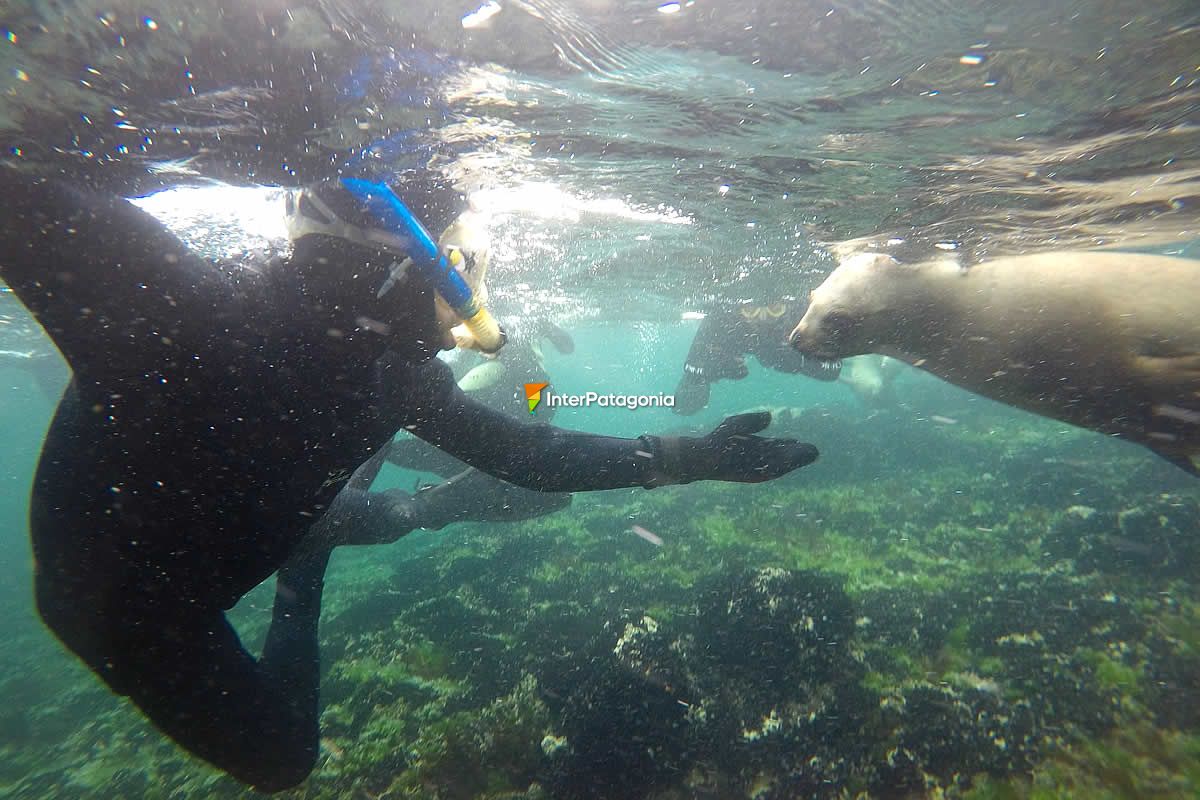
(383,203)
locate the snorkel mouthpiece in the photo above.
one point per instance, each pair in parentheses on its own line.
(389,209)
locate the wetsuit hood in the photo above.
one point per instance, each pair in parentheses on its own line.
(352,273)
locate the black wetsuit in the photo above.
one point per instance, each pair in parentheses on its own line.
(520,362)
(213,415)
(725,337)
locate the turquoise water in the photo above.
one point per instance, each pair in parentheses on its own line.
(25,415)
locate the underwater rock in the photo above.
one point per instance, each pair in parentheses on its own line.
(1157,537)
(774,683)
(990,678)
(770,636)
(1064,642)
(646,650)
(769,661)
(754,677)
(1052,476)
(625,736)
(954,734)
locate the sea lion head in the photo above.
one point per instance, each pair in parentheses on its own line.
(846,313)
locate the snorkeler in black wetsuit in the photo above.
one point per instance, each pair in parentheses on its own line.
(725,337)
(214,413)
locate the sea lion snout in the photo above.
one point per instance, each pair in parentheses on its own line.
(810,338)
(796,337)
(801,338)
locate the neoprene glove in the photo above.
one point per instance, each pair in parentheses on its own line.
(730,453)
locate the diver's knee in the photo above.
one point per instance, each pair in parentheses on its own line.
(87,627)
(285,773)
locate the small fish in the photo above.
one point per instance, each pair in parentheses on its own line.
(652,538)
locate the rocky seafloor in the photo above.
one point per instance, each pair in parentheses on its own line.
(991,607)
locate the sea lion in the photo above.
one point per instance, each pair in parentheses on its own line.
(1104,340)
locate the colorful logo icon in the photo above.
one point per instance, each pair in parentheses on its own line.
(533,394)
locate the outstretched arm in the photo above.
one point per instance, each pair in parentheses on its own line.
(551,459)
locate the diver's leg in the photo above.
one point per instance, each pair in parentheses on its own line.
(186,669)
(473,495)
(160,643)
(412,453)
(359,517)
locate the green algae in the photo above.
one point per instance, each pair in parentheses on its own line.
(1140,762)
(490,753)
(431,657)
(1114,674)
(1182,626)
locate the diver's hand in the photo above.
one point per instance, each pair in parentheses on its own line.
(730,453)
